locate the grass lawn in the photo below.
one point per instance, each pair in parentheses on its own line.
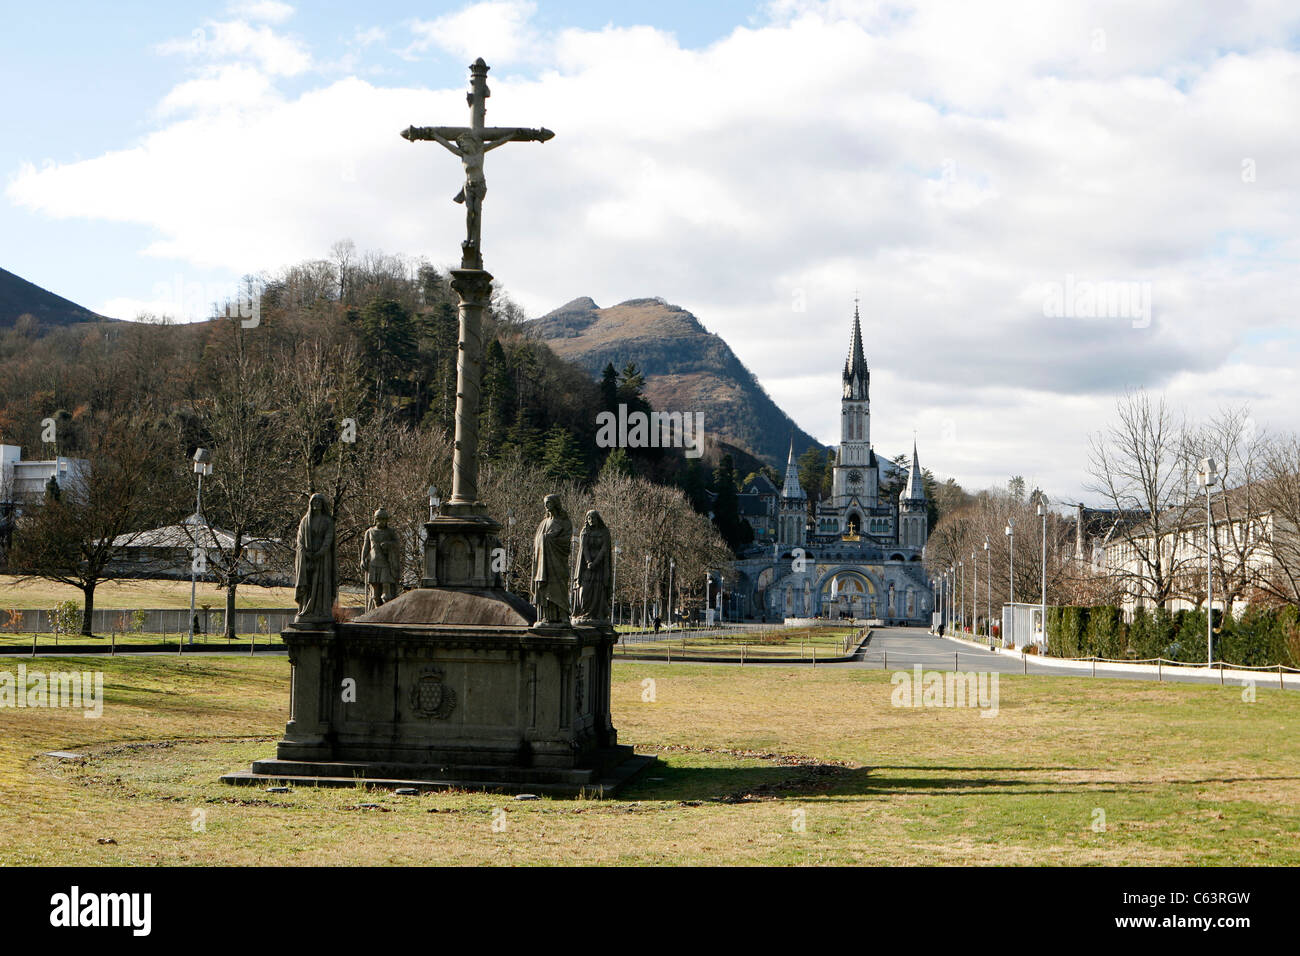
(784,642)
(133,593)
(44,641)
(1183,775)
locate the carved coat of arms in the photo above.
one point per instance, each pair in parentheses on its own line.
(430,696)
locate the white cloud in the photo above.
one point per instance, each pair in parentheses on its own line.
(221,41)
(499,30)
(268,11)
(948,160)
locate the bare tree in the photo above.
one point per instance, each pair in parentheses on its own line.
(1280,491)
(246,490)
(79,534)
(1139,464)
(1240,535)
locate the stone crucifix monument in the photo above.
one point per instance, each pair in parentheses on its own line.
(458,682)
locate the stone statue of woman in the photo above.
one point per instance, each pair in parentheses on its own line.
(316,578)
(551,547)
(595,580)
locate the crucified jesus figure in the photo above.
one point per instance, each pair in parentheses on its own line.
(470,144)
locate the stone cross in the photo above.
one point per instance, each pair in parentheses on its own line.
(472,284)
(470,143)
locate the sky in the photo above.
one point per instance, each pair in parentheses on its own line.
(1038,205)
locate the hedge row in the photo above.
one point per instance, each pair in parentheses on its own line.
(1261,636)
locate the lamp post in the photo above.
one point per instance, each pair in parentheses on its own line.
(672,573)
(645,592)
(510,526)
(974,595)
(1208,478)
(202,466)
(1011,573)
(722,606)
(1042,605)
(961,599)
(988,597)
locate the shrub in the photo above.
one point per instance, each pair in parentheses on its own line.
(1067,637)
(1105,631)
(1143,640)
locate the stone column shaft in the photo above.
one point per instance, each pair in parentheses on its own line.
(474,288)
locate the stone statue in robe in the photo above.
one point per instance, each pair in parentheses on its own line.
(595,571)
(381,561)
(315,567)
(551,549)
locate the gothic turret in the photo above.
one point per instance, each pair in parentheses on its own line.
(913,519)
(793,520)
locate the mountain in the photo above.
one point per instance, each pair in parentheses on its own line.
(687,369)
(20,297)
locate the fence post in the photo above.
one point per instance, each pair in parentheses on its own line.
(954,661)
(1025,658)
(1094,665)
(1280,685)
(1159,669)
(1220,673)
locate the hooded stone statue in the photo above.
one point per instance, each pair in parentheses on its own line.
(595,578)
(315,568)
(551,548)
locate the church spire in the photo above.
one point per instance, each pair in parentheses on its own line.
(915,490)
(791,487)
(856,374)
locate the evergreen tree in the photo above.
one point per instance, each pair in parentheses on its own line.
(812,471)
(631,384)
(389,344)
(561,457)
(496,402)
(526,436)
(609,389)
(726,506)
(694,486)
(617,462)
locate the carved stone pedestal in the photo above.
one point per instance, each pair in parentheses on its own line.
(498,704)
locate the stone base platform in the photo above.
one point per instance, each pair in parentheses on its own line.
(451,687)
(615,766)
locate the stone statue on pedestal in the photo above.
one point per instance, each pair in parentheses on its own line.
(551,548)
(595,578)
(381,560)
(315,568)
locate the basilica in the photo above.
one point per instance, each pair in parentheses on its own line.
(857,553)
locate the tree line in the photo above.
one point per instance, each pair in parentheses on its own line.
(345,386)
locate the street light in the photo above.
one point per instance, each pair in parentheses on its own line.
(975,596)
(645,592)
(672,572)
(1042,612)
(1011,574)
(202,466)
(1207,478)
(961,601)
(988,597)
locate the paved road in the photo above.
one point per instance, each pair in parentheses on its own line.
(901,648)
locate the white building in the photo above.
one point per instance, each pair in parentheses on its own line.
(24,481)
